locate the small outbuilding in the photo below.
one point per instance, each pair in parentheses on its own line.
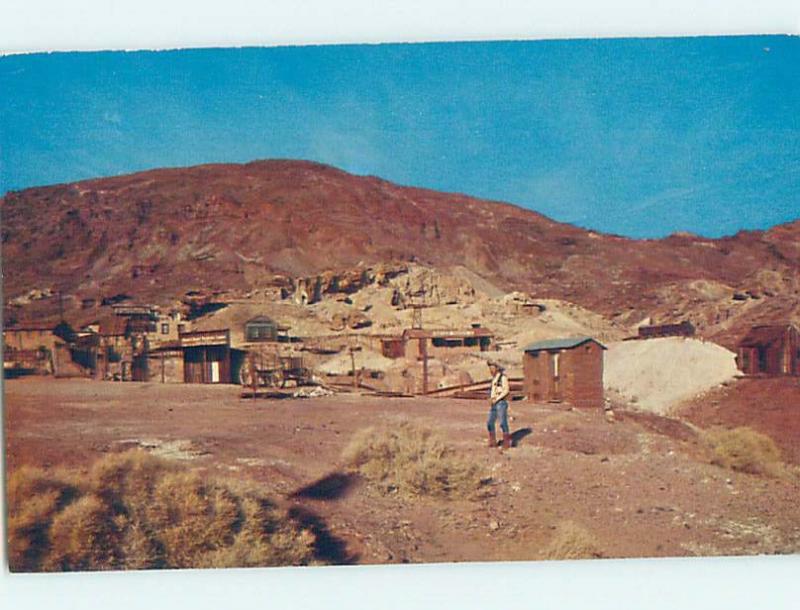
(770,350)
(264,329)
(564,370)
(436,343)
(682,329)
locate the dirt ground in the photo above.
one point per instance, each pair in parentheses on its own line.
(642,486)
(769,405)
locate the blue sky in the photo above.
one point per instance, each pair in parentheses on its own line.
(640,137)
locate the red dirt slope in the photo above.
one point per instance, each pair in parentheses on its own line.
(157,234)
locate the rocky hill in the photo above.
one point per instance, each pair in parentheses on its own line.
(159,234)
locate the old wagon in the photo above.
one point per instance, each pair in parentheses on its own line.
(273,371)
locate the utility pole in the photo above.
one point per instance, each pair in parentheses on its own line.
(353,368)
(423,349)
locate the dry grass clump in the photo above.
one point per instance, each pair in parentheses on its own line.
(744,450)
(571,541)
(412,461)
(138,511)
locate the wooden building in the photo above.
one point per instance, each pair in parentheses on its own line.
(31,337)
(564,370)
(209,358)
(114,356)
(37,348)
(683,329)
(770,350)
(263,329)
(165,364)
(435,343)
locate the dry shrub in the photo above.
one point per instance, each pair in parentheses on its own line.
(412,461)
(138,511)
(744,450)
(571,541)
(83,536)
(34,498)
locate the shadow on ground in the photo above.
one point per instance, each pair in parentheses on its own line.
(328,548)
(518,435)
(330,487)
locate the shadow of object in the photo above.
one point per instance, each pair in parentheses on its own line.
(327,547)
(518,435)
(330,487)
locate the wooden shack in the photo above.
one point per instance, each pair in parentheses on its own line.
(206,356)
(683,329)
(165,364)
(209,358)
(114,356)
(38,348)
(436,343)
(770,350)
(32,336)
(263,329)
(564,370)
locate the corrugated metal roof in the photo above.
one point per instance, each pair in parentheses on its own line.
(566,343)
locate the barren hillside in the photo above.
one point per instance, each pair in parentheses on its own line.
(156,235)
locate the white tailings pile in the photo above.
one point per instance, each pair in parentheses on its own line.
(657,374)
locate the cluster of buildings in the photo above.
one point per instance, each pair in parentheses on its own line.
(142,343)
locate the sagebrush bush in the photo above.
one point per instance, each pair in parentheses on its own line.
(138,511)
(411,461)
(571,541)
(34,498)
(744,450)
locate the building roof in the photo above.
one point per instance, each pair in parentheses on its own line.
(765,335)
(169,346)
(566,343)
(260,320)
(440,333)
(267,320)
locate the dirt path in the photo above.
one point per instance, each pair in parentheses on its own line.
(641,486)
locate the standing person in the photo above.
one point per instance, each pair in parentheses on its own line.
(499,405)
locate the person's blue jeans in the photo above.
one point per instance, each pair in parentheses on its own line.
(498,409)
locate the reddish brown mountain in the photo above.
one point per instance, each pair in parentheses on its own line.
(158,234)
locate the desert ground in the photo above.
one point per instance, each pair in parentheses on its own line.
(641,486)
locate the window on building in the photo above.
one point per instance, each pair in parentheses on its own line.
(556,357)
(261,332)
(165,328)
(181,328)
